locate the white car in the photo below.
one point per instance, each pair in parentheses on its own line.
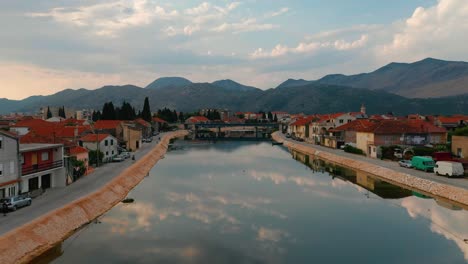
(118,158)
(449,168)
(405,163)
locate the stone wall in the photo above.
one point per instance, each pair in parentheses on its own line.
(33,239)
(452,193)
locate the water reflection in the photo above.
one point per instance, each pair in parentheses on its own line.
(251,203)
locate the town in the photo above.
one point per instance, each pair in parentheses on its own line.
(58,146)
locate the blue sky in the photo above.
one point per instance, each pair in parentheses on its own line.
(47,46)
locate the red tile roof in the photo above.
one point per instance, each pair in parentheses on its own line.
(143,122)
(356,125)
(452,119)
(107,124)
(159,120)
(303,121)
(77,150)
(402,126)
(94,137)
(33,123)
(197,119)
(33,137)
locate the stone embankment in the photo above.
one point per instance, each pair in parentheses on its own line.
(33,239)
(444,191)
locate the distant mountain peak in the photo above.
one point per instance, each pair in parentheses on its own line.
(231,85)
(294,83)
(165,82)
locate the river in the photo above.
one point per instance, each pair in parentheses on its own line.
(250,202)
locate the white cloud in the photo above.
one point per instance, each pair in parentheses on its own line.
(310,47)
(246,25)
(280,12)
(107,19)
(437,31)
(198,10)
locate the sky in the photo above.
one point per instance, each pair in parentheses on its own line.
(48,46)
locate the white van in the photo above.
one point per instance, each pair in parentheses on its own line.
(449,168)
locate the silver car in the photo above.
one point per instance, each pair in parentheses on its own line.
(16,202)
(405,163)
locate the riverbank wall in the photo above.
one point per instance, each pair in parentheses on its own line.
(31,240)
(444,191)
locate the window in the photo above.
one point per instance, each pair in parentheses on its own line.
(45,156)
(1,142)
(106,143)
(341,121)
(112,142)
(12,167)
(112,152)
(107,153)
(22,159)
(1,169)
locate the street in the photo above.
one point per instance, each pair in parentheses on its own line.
(457,182)
(57,197)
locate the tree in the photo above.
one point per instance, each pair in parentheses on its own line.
(181,117)
(108,111)
(61,112)
(93,156)
(275,119)
(49,113)
(146,113)
(270,116)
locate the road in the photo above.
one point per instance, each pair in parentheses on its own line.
(458,182)
(58,197)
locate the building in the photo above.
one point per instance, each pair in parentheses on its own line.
(460,146)
(158,124)
(346,133)
(9,168)
(81,154)
(105,143)
(42,167)
(451,122)
(192,121)
(300,127)
(321,125)
(398,132)
(132,136)
(145,127)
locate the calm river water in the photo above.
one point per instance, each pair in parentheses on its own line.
(241,202)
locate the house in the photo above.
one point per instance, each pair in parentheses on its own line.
(80,154)
(280,115)
(42,166)
(105,143)
(9,168)
(452,122)
(194,120)
(158,123)
(323,123)
(23,127)
(460,146)
(346,133)
(300,127)
(127,133)
(144,126)
(398,132)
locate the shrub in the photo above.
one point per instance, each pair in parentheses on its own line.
(351,149)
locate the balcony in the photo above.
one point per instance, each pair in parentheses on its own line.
(41,167)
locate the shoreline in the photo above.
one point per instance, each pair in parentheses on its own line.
(31,240)
(440,190)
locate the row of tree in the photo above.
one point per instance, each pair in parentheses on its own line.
(61,112)
(125,112)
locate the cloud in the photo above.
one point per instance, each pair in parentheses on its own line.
(246,25)
(108,19)
(280,12)
(310,47)
(437,31)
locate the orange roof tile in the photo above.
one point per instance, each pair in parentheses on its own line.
(77,150)
(107,124)
(94,137)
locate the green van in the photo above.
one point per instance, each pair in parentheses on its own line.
(423,163)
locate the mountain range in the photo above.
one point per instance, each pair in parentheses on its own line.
(380,91)
(423,79)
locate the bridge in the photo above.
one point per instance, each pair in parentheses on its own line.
(244,131)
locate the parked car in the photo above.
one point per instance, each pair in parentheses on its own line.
(118,158)
(405,163)
(16,202)
(423,163)
(125,154)
(288,135)
(449,168)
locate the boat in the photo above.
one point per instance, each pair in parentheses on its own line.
(274,143)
